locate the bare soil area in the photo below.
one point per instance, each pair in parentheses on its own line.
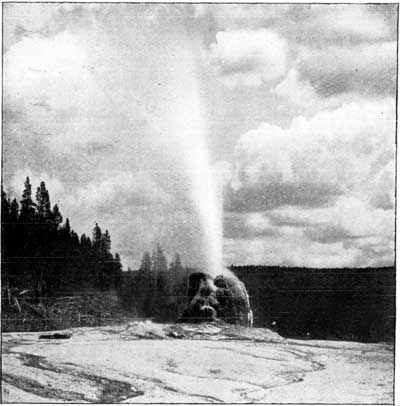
(208,363)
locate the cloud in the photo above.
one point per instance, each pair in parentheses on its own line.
(50,84)
(241,16)
(289,250)
(349,216)
(382,191)
(365,69)
(315,160)
(264,196)
(321,191)
(248,57)
(298,95)
(351,233)
(353,22)
(335,48)
(353,223)
(297,92)
(111,194)
(248,226)
(41,61)
(305,23)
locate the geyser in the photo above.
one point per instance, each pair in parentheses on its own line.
(180,121)
(189,126)
(180,124)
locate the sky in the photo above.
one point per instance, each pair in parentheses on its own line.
(292,106)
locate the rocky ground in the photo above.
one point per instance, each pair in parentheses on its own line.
(146,362)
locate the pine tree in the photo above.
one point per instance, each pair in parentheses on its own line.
(67,227)
(56,217)
(14,211)
(5,215)
(5,227)
(117,271)
(146,263)
(44,237)
(10,241)
(28,238)
(179,277)
(159,260)
(97,238)
(99,253)
(43,202)
(106,243)
(144,286)
(5,206)
(88,276)
(176,264)
(28,207)
(109,266)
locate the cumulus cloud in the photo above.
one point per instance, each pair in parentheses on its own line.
(322,189)
(362,68)
(335,48)
(350,233)
(248,226)
(49,82)
(291,249)
(351,21)
(339,24)
(315,160)
(248,57)
(353,223)
(382,191)
(297,93)
(120,190)
(240,16)
(304,23)
(350,216)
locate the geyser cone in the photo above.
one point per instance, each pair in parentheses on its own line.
(222,298)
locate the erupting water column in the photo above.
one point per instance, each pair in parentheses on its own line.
(181,122)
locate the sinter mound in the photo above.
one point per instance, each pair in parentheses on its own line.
(224,298)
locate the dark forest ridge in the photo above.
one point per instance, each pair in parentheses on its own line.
(334,303)
(264,268)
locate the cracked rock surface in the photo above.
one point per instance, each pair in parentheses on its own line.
(143,362)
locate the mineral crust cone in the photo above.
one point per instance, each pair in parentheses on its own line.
(223,298)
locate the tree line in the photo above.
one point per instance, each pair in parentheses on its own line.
(322,303)
(44,255)
(157,290)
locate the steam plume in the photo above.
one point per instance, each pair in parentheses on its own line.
(181,120)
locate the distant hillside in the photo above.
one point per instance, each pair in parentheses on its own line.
(342,303)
